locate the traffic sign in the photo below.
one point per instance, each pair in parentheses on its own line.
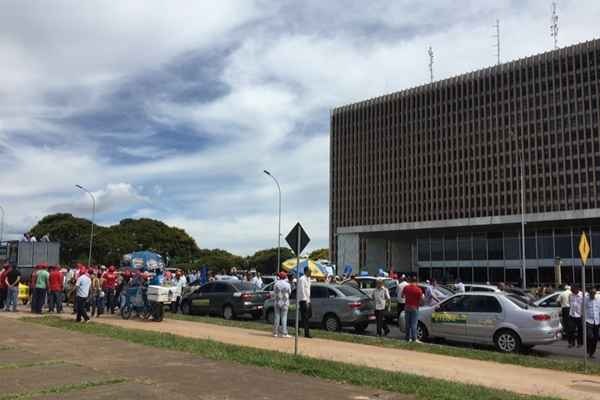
(297,239)
(584,248)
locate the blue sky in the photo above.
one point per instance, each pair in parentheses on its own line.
(171,110)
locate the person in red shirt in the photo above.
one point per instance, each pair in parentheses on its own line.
(109,284)
(56,286)
(3,285)
(413,296)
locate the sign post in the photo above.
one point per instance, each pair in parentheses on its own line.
(584,252)
(297,239)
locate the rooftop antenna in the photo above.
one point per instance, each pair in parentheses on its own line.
(430,52)
(497,37)
(554,26)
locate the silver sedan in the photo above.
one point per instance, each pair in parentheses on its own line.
(488,318)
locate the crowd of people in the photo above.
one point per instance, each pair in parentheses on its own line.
(571,303)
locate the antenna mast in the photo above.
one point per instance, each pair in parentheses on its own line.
(430,52)
(554,26)
(497,37)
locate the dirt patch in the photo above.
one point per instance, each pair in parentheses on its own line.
(155,373)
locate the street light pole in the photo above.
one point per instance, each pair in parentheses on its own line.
(522,173)
(279,225)
(93,217)
(2,225)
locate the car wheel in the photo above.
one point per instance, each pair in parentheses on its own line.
(126,312)
(332,323)
(185,308)
(228,313)
(270,316)
(507,341)
(422,333)
(360,328)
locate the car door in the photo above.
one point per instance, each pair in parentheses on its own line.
(484,314)
(319,297)
(220,294)
(201,299)
(448,319)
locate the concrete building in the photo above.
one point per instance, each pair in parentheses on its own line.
(428,179)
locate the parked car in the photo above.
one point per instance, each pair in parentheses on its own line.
(550,302)
(469,287)
(489,318)
(440,292)
(333,307)
(369,283)
(268,279)
(524,295)
(230,299)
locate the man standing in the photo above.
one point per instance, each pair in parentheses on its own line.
(381,296)
(281,292)
(13,277)
(565,307)
(460,286)
(82,291)
(413,296)
(401,299)
(109,284)
(56,290)
(3,287)
(592,320)
(303,294)
(575,330)
(180,283)
(41,288)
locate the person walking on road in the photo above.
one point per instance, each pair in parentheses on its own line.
(109,284)
(281,293)
(303,294)
(381,296)
(12,279)
(413,296)
(565,307)
(56,283)
(82,291)
(575,331)
(41,288)
(401,300)
(592,322)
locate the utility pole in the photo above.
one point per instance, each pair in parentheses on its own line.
(497,37)
(430,53)
(554,25)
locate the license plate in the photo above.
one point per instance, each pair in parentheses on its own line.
(259,307)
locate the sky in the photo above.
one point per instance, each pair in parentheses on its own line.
(172,109)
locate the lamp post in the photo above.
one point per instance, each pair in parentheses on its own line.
(522,173)
(93,217)
(2,225)
(279,225)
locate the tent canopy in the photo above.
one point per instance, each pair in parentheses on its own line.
(317,270)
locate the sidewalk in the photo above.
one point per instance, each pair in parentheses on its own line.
(513,378)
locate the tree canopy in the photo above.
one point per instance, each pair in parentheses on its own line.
(319,254)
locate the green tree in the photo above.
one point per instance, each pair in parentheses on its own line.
(319,254)
(265,261)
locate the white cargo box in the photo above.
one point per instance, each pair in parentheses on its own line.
(163,294)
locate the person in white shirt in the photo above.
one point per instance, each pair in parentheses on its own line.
(460,286)
(180,281)
(281,303)
(565,307)
(592,320)
(381,296)
(575,330)
(82,291)
(257,282)
(401,300)
(303,293)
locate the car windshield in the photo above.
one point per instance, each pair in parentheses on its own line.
(389,283)
(444,291)
(351,291)
(517,301)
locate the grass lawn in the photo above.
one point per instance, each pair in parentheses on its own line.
(475,354)
(420,387)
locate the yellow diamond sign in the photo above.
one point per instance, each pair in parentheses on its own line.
(584,248)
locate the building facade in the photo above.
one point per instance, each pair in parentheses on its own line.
(428,179)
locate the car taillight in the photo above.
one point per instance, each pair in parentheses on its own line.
(246,296)
(542,317)
(357,304)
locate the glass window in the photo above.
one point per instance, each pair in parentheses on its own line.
(512,246)
(450,251)
(465,252)
(437,251)
(350,291)
(454,304)
(495,246)
(479,247)
(207,288)
(595,242)
(423,245)
(530,250)
(545,245)
(319,292)
(482,304)
(562,241)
